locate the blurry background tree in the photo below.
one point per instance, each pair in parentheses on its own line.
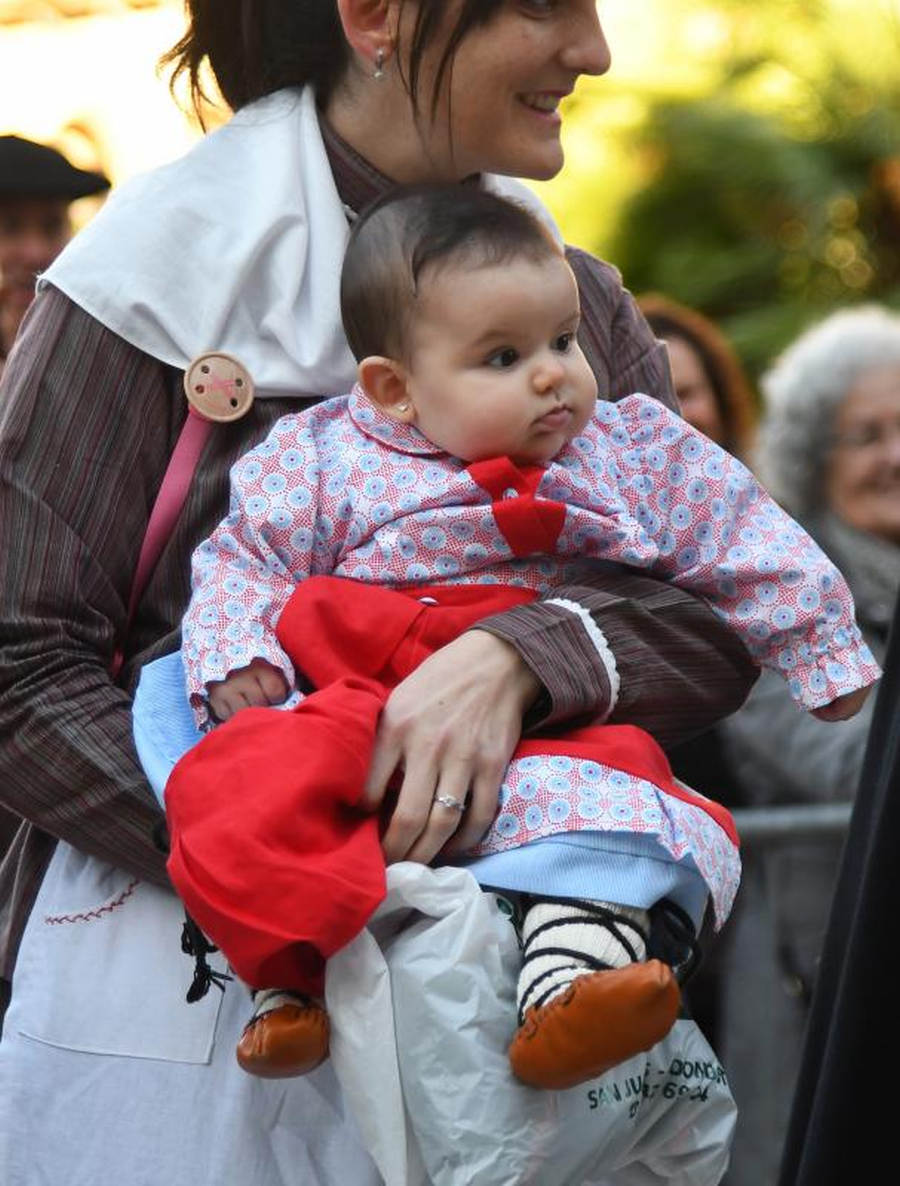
(755,175)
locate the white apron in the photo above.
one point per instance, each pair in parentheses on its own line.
(109,1078)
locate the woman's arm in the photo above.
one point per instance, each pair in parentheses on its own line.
(86,426)
(632,650)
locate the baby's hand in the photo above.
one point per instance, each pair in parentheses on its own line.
(844,707)
(255,686)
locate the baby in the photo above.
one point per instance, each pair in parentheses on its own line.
(472,468)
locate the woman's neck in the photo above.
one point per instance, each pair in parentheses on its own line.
(358,182)
(376,121)
(357,179)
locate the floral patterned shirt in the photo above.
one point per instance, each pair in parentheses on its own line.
(342,489)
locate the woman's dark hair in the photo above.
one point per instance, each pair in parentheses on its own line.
(255,47)
(734,395)
(414,230)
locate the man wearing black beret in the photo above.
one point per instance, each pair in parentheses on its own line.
(37,185)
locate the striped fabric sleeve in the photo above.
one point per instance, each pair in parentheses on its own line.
(654,656)
(85,430)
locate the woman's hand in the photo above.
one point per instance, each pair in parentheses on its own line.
(449,728)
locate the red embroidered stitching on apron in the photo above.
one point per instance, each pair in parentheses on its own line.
(54,919)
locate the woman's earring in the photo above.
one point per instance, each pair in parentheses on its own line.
(378,72)
(402,407)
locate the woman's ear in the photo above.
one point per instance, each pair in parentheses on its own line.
(384,382)
(370,27)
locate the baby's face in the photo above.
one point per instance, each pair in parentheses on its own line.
(494,367)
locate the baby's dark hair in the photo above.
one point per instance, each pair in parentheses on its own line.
(416,230)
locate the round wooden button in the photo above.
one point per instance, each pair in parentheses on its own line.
(218,387)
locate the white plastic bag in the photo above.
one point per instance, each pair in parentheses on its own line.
(423,1007)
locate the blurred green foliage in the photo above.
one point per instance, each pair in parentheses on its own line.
(761,230)
(759,183)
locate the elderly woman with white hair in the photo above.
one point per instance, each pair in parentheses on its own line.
(829,450)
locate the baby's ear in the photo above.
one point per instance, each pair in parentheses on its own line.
(384,382)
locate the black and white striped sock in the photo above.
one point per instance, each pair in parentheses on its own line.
(265,1000)
(562,940)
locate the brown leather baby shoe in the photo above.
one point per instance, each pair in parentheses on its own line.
(289,1040)
(600,1020)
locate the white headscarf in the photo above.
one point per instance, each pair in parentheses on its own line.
(237,246)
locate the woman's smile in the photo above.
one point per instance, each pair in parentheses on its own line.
(545,102)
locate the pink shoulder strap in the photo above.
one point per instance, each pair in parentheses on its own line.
(218,389)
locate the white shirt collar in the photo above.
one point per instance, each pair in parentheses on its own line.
(396,434)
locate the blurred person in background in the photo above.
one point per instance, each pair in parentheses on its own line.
(713,390)
(717,398)
(829,451)
(37,186)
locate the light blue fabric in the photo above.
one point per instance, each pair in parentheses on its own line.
(162,720)
(620,867)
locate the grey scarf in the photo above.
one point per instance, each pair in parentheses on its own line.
(870,564)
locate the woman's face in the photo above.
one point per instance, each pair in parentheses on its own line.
(862,476)
(508,78)
(498,104)
(699,405)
